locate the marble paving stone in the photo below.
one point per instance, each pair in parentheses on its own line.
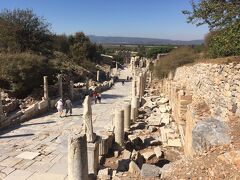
(10,162)
(39,166)
(46,176)
(19,175)
(28,155)
(24,164)
(7,170)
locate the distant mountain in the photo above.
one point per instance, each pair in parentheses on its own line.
(137,40)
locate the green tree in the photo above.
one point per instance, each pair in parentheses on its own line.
(28,32)
(223,20)
(217,14)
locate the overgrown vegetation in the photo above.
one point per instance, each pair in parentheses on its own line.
(223,19)
(177,57)
(154,51)
(29,50)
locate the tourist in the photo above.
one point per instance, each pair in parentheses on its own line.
(99,98)
(123,82)
(59,106)
(95,97)
(68,106)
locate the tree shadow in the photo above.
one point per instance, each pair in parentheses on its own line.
(31,124)
(111,96)
(16,136)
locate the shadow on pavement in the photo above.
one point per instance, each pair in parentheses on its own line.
(31,124)
(15,136)
(111,96)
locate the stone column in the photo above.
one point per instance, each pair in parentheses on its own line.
(119,127)
(71,90)
(135,104)
(127,112)
(87,117)
(77,158)
(45,87)
(150,77)
(1,108)
(133,114)
(98,76)
(60,88)
(134,86)
(139,86)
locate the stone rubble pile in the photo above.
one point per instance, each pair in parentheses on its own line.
(144,142)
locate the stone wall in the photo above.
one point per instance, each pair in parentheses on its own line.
(217,84)
(203,95)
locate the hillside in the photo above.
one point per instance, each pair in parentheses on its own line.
(138,40)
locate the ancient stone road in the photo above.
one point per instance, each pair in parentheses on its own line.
(38,148)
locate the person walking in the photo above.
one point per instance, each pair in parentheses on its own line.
(99,98)
(95,97)
(68,106)
(59,106)
(123,82)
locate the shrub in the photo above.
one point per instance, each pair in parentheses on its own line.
(174,59)
(153,52)
(225,42)
(23,72)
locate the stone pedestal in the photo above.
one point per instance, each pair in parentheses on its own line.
(77,157)
(119,127)
(45,87)
(71,90)
(127,112)
(60,89)
(93,156)
(98,76)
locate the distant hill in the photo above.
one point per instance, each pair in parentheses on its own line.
(137,40)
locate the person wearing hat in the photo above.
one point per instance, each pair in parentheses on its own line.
(59,106)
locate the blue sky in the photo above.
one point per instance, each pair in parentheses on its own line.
(131,18)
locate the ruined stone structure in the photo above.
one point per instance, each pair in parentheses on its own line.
(203,95)
(45,87)
(77,157)
(87,116)
(119,127)
(60,87)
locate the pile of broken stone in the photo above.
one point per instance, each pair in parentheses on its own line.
(143,154)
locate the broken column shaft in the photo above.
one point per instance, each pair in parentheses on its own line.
(77,157)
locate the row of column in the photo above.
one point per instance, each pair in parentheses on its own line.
(60,87)
(83,149)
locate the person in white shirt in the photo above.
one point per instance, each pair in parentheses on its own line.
(59,106)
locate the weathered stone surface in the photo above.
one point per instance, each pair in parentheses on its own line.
(123,165)
(133,168)
(19,174)
(158,151)
(126,154)
(28,155)
(162,108)
(149,170)
(103,172)
(174,142)
(148,155)
(208,133)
